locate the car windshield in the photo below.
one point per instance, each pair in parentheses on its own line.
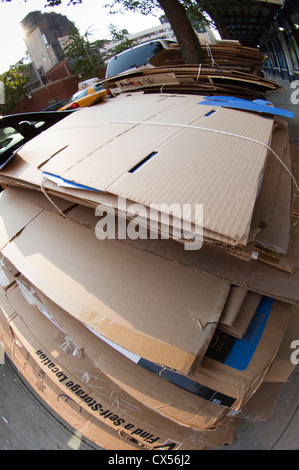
(8,138)
(17,129)
(98,87)
(132,58)
(78,95)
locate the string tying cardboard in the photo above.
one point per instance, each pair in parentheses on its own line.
(215,131)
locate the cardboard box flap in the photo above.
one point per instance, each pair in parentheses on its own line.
(15,214)
(259,277)
(276,235)
(233,304)
(109,285)
(244,317)
(119,146)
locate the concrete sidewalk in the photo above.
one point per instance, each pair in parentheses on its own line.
(27,423)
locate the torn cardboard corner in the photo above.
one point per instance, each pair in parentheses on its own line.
(161,310)
(263,403)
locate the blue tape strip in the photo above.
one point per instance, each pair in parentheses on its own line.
(70,183)
(243,349)
(258,106)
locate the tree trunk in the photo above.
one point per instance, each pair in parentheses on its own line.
(187,39)
(217,9)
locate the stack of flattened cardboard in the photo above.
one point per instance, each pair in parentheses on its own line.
(229,69)
(161,346)
(192,80)
(224,54)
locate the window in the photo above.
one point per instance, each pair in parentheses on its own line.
(8,138)
(78,95)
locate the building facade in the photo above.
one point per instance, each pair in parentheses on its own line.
(280,42)
(161,31)
(44,35)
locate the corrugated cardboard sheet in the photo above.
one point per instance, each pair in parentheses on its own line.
(141,302)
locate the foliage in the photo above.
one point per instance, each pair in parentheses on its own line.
(83,57)
(14,81)
(120,37)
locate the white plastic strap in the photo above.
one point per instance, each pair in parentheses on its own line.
(51,201)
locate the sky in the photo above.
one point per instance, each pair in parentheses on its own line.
(91,15)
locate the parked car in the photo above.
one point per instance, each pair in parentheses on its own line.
(17,129)
(137,56)
(56,106)
(86,97)
(87,83)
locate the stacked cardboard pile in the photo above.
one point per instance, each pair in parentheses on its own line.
(161,346)
(229,69)
(192,80)
(225,54)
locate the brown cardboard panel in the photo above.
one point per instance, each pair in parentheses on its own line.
(262,404)
(244,317)
(275,236)
(233,305)
(273,170)
(257,277)
(109,286)
(289,261)
(214,171)
(78,375)
(39,198)
(23,213)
